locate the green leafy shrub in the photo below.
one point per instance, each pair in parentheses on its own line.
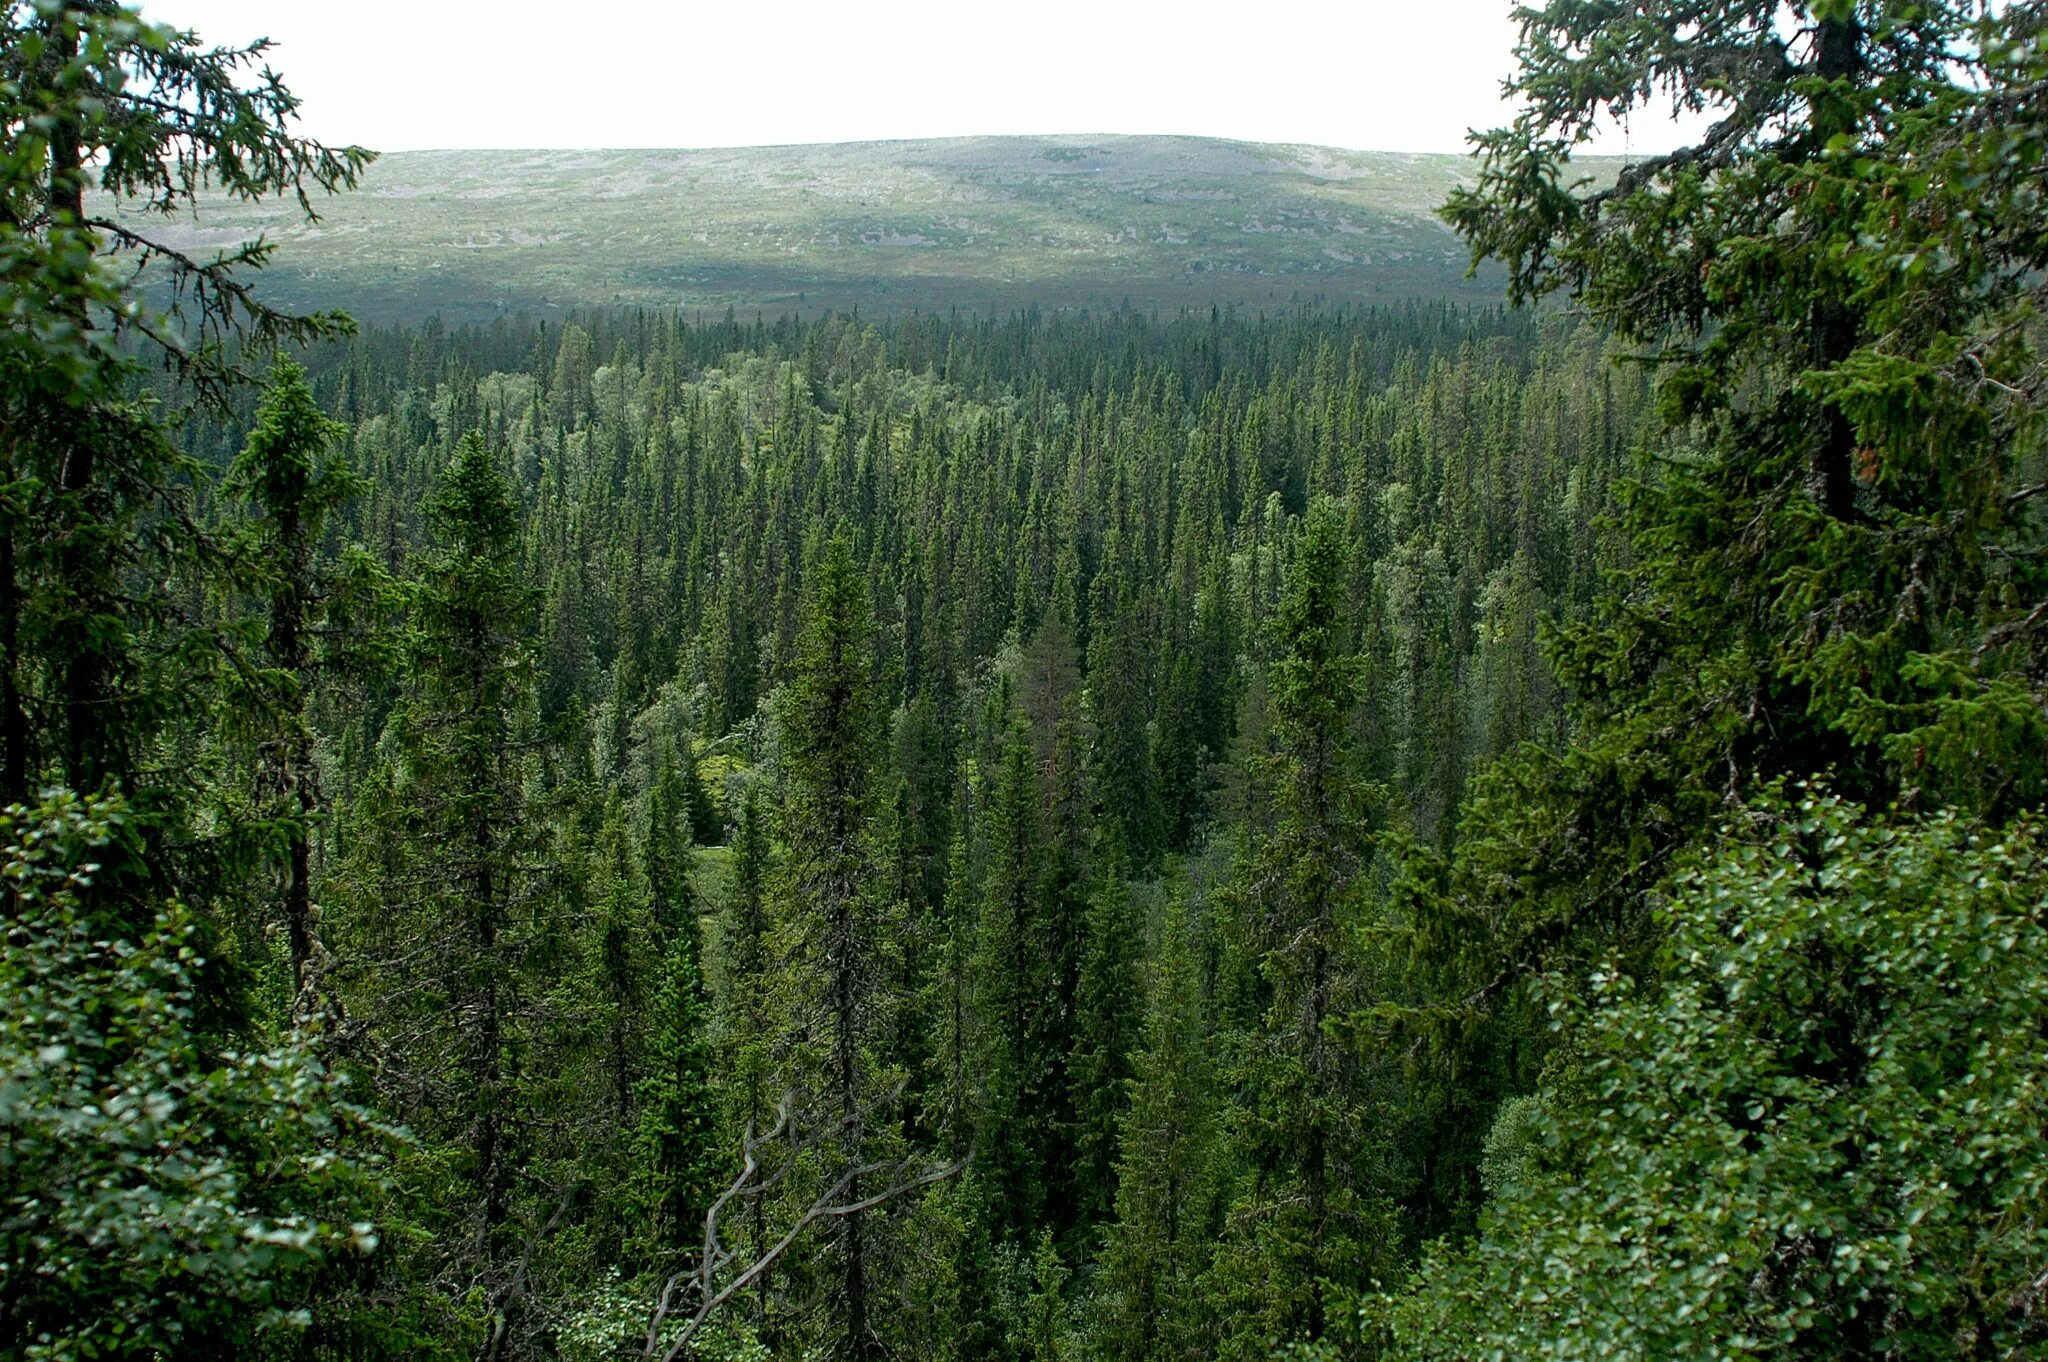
(1817,1134)
(158,1197)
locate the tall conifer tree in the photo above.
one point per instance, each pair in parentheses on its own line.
(443,886)
(1300,1222)
(829,729)
(289,477)
(1159,1244)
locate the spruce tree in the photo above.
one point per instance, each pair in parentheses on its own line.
(442,889)
(149,117)
(1302,1221)
(1106,1020)
(288,476)
(745,1014)
(1120,716)
(1834,557)
(1012,988)
(826,883)
(679,1153)
(678,1129)
(679,497)
(1158,1246)
(672,824)
(106,672)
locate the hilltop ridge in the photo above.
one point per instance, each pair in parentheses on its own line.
(980,223)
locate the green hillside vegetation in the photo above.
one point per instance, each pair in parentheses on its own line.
(981,224)
(1415,832)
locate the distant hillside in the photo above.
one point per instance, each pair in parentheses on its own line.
(972,223)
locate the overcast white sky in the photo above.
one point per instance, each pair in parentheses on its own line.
(1393,75)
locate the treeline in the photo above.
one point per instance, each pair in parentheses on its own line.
(1415,833)
(950,762)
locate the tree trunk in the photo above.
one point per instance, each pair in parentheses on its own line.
(287,628)
(83,679)
(14,735)
(1831,468)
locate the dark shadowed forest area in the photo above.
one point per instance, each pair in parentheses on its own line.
(1391,829)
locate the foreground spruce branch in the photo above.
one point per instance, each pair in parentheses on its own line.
(1366,833)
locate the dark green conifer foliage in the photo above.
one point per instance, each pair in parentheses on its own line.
(1062,945)
(678,1130)
(290,479)
(1839,383)
(594,967)
(919,836)
(1302,1220)
(681,1152)
(1047,1332)
(1107,1015)
(1013,988)
(672,822)
(91,531)
(829,729)
(1837,569)
(146,1110)
(950,999)
(1836,566)
(1179,759)
(704,826)
(1051,677)
(1159,1244)
(1119,712)
(443,891)
(745,1013)
(680,503)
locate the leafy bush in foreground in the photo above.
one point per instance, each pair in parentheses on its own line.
(157,1198)
(1817,1135)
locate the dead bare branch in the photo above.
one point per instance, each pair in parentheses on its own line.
(706,1281)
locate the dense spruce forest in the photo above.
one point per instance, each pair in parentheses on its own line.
(1413,831)
(987,627)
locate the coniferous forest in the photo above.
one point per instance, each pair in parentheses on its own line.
(1407,831)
